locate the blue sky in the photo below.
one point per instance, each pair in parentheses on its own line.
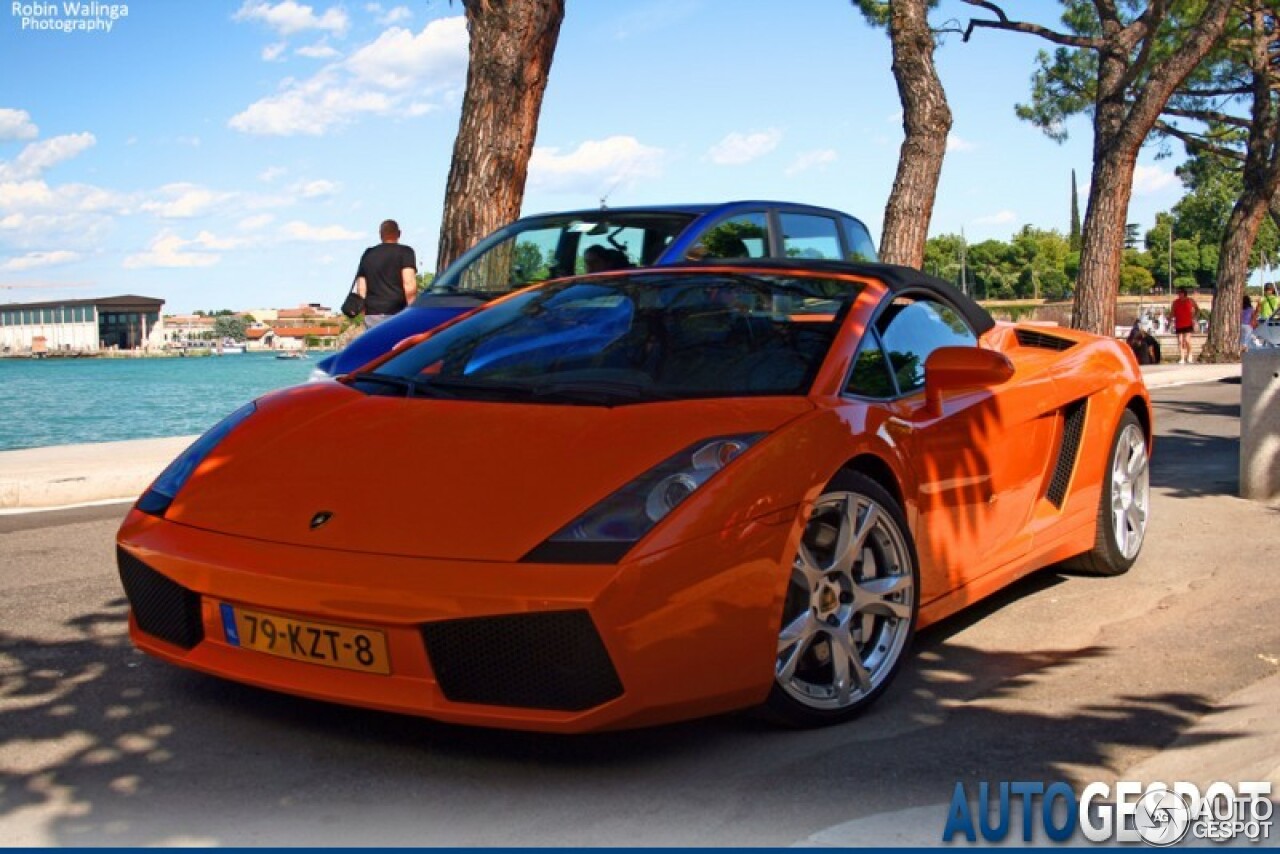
(240,153)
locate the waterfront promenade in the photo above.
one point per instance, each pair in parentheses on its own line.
(69,475)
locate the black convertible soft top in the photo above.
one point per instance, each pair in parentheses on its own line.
(896,277)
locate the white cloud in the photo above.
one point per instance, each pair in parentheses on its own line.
(314,189)
(955,143)
(255,222)
(319,50)
(1149,180)
(167,250)
(193,141)
(594,166)
(184,201)
(16,124)
(738,148)
(209,240)
(298,230)
(274,51)
(395,16)
(34,260)
(398,59)
(289,17)
(271,173)
(383,77)
(39,197)
(810,160)
(38,157)
(1004,217)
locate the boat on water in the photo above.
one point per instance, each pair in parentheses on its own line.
(291,354)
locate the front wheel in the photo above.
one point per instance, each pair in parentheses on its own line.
(851,606)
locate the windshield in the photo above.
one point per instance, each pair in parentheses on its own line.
(630,338)
(542,248)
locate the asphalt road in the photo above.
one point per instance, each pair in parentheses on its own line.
(1056,678)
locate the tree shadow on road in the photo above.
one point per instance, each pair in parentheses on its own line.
(1192,465)
(104,746)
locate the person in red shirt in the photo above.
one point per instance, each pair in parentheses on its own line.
(1184,310)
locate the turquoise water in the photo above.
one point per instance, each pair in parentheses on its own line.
(68,401)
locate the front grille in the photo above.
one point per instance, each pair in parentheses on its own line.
(1031,338)
(1068,450)
(161,607)
(551,660)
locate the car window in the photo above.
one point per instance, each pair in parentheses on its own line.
(809,236)
(911,329)
(859,241)
(551,247)
(871,376)
(743,236)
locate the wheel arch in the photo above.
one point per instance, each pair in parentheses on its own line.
(879,470)
(1141,409)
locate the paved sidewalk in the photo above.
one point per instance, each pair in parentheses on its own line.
(64,475)
(45,478)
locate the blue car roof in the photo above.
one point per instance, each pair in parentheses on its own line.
(696,208)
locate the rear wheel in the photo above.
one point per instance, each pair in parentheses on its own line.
(851,606)
(1124,508)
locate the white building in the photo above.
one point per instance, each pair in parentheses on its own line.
(78,326)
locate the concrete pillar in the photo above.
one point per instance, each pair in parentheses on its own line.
(1260,425)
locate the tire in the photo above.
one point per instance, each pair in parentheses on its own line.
(854,588)
(1124,509)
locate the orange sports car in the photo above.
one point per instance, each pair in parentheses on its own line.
(636,497)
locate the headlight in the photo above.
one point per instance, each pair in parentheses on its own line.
(157,499)
(608,530)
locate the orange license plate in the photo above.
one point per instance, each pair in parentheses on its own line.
(326,644)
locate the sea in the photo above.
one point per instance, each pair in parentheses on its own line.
(71,401)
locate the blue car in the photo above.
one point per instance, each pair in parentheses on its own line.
(549,246)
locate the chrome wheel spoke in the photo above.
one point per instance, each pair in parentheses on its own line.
(807,565)
(873,597)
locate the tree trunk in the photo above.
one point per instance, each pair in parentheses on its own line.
(1261,181)
(926,120)
(1223,344)
(509,59)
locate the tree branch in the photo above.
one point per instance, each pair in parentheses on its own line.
(1197,144)
(1209,116)
(1003,23)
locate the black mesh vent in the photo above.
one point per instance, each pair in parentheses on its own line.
(551,660)
(162,607)
(1031,338)
(1072,433)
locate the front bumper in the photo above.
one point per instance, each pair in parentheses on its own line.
(682,633)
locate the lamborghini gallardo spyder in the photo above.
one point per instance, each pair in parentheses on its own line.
(636,497)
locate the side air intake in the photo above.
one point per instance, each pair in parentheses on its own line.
(1072,434)
(1032,338)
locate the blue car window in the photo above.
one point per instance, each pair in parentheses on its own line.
(743,236)
(858,239)
(912,329)
(810,236)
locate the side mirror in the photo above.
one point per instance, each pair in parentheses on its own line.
(962,369)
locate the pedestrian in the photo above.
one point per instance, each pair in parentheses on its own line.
(1246,324)
(1267,306)
(1145,347)
(1184,310)
(387,277)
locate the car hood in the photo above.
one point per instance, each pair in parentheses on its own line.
(440,478)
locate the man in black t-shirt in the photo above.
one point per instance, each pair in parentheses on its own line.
(387,277)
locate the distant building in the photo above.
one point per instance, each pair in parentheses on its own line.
(78,326)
